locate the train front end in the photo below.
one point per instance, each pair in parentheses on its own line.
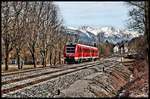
(69,52)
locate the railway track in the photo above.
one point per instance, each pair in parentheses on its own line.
(24,71)
(49,75)
(7,73)
(37,75)
(72,69)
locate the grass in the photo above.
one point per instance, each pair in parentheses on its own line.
(10,69)
(15,67)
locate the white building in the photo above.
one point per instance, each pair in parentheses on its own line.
(116,49)
(121,50)
(126,49)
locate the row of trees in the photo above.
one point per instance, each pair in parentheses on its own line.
(35,26)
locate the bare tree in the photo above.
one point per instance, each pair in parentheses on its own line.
(8,29)
(139,18)
(100,42)
(20,33)
(34,11)
(58,45)
(60,39)
(61,43)
(48,29)
(55,37)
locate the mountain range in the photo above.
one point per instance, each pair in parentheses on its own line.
(109,33)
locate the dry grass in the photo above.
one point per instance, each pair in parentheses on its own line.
(140,84)
(15,67)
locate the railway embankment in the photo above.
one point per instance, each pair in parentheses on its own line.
(138,84)
(100,84)
(129,79)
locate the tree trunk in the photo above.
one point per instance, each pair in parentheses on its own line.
(34,60)
(50,57)
(55,58)
(43,63)
(147,6)
(32,51)
(18,60)
(6,62)
(6,59)
(45,57)
(147,28)
(60,57)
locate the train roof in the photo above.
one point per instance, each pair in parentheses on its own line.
(82,45)
(87,46)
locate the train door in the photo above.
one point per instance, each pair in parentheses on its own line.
(90,54)
(78,51)
(81,56)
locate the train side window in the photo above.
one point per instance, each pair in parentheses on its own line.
(90,51)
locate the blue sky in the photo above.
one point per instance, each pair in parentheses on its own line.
(94,13)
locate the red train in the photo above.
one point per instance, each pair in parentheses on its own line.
(77,52)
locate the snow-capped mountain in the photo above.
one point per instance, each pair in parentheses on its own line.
(92,34)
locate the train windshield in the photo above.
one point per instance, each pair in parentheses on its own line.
(70,49)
